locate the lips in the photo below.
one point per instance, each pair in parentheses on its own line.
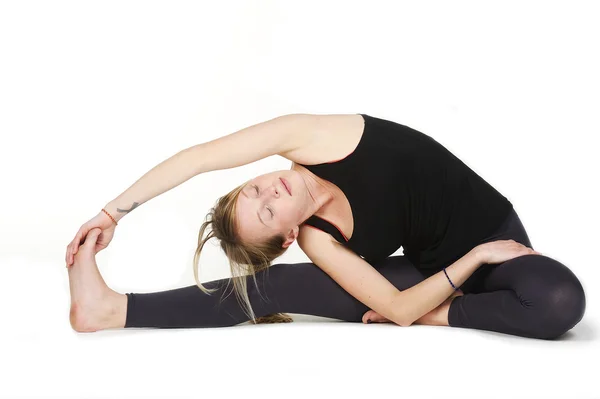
(287,187)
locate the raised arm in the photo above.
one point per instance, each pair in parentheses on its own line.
(273,137)
(365,283)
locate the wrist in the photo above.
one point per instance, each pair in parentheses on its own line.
(112,211)
(479,255)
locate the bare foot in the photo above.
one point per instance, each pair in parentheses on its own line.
(374,317)
(94,306)
(430,318)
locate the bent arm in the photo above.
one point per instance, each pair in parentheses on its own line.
(365,283)
(276,136)
(431,292)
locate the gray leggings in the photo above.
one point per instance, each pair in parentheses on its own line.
(530,296)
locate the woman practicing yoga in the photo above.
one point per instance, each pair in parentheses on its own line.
(359,188)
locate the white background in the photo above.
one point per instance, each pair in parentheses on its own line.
(94,94)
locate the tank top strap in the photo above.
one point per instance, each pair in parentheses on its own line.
(327,227)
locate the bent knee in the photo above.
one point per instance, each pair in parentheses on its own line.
(555,294)
(564,307)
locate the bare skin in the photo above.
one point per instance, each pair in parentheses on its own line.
(437,317)
(94,306)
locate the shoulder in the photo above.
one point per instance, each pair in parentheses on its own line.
(311,239)
(320,138)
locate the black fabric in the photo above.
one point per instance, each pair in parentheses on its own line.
(532,296)
(406,189)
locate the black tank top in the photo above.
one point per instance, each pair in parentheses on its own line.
(406,189)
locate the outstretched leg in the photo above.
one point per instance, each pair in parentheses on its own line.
(301,288)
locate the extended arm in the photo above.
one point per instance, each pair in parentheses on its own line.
(276,136)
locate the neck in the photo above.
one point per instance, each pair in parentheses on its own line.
(319,192)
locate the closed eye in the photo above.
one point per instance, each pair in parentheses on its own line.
(269,209)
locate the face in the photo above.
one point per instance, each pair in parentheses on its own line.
(265,207)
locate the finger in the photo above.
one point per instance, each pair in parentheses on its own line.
(69,248)
(77,243)
(78,238)
(74,245)
(71,251)
(91,238)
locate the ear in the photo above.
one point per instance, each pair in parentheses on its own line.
(291,237)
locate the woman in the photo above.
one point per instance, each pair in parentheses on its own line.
(358,189)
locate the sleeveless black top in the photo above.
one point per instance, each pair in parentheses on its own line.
(406,189)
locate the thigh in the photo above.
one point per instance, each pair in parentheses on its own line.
(550,294)
(532,277)
(400,272)
(511,229)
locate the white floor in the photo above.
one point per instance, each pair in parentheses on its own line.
(43,357)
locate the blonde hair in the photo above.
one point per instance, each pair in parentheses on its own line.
(244,258)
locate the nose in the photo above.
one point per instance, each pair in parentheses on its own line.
(274,190)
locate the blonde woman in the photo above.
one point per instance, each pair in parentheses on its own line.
(359,188)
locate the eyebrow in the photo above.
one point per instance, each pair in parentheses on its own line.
(257,214)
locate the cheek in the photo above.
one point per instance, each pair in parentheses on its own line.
(286,213)
(294,212)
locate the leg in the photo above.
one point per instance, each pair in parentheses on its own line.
(301,288)
(295,288)
(531,296)
(511,228)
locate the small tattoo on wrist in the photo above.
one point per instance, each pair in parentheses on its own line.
(135,205)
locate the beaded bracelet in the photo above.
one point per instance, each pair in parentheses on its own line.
(455,289)
(109,215)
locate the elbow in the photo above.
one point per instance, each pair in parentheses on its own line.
(403,322)
(406,324)
(400,317)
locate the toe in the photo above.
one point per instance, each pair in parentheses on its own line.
(86,250)
(374,317)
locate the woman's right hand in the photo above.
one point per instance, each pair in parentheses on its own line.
(502,250)
(102,221)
